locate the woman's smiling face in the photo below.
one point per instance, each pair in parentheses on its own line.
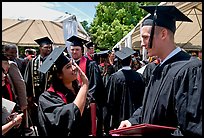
(69,72)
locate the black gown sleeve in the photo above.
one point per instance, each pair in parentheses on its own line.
(148,72)
(136,117)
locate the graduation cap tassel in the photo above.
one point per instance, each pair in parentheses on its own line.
(153,25)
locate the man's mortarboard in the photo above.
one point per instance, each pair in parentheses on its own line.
(43,41)
(76,41)
(57,58)
(89,44)
(124,53)
(166,16)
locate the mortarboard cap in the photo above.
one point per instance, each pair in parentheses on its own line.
(124,53)
(89,44)
(55,57)
(166,16)
(76,41)
(43,41)
(104,53)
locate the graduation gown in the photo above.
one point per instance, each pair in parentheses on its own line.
(96,87)
(148,72)
(125,90)
(173,96)
(96,90)
(61,117)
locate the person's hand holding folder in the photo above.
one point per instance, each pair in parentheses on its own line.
(142,130)
(124,123)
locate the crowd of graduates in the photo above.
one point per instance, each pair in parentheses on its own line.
(72,92)
(105,63)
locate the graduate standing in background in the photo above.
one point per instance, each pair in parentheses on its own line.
(125,89)
(90,50)
(37,82)
(173,96)
(96,92)
(106,65)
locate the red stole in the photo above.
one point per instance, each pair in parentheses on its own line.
(89,56)
(103,64)
(8,86)
(82,65)
(51,89)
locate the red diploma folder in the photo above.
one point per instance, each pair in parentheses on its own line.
(142,129)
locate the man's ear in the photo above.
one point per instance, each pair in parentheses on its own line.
(164,33)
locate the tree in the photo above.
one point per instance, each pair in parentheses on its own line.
(85,25)
(113,20)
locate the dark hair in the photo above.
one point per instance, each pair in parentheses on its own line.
(10,46)
(126,61)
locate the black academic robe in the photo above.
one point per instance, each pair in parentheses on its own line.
(96,90)
(58,118)
(173,96)
(95,81)
(125,90)
(148,72)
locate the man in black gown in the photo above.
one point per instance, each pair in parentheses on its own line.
(125,90)
(96,92)
(37,82)
(173,96)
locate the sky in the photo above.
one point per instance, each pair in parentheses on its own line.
(82,10)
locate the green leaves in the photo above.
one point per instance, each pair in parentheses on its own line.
(113,20)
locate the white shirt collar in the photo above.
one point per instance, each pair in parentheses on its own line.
(174,52)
